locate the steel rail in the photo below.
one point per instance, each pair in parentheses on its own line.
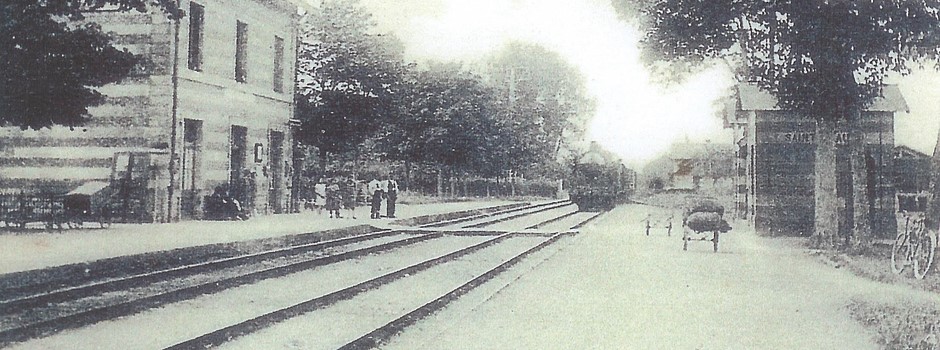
(243,328)
(71,293)
(487,215)
(541,224)
(232,332)
(389,330)
(554,205)
(87,317)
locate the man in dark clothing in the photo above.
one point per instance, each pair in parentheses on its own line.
(375,190)
(392,195)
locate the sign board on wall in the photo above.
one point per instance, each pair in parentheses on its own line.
(842,138)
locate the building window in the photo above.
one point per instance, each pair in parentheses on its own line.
(241,52)
(196,20)
(278,64)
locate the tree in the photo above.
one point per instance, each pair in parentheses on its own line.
(52,60)
(348,78)
(448,120)
(542,99)
(826,59)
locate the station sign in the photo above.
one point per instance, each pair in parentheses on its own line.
(842,137)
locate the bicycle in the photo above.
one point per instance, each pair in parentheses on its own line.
(914,246)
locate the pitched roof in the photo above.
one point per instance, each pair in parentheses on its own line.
(902,151)
(691,150)
(752,98)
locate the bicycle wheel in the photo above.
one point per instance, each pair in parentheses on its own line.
(900,253)
(923,254)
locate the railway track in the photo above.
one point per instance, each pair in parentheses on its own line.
(25,317)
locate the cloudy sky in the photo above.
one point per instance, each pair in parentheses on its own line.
(635,118)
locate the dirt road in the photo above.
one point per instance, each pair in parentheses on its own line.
(616,288)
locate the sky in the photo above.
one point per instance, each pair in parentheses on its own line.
(635,118)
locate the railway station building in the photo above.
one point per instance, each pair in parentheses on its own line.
(774,163)
(209,105)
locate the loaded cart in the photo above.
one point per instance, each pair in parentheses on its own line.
(701,217)
(89,202)
(20,209)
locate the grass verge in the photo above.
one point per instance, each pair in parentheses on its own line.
(900,324)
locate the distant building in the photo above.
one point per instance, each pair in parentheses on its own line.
(774,167)
(699,165)
(215,94)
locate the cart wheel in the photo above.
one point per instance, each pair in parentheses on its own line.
(715,242)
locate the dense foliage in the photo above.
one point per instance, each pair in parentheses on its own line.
(349,78)
(826,59)
(357,94)
(52,61)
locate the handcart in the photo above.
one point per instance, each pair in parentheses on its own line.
(701,217)
(89,202)
(21,209)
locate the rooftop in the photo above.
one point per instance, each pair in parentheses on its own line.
(752,98)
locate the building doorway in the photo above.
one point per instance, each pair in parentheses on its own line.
(189,169)
(276,164)
(240,186)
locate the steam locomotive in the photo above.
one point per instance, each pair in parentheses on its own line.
(600,186)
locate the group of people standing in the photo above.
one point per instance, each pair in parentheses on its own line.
(340,193)
(379,190)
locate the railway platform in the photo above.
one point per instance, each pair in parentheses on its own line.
(22,250)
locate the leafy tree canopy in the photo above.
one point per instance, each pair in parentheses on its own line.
(52,61)
(449,118)
(349,77)
(824,58)
(542,99)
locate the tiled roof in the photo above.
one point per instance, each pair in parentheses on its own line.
(752,98)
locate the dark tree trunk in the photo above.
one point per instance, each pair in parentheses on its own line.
(407,182)
(440,181)
(322,162)
(861,230)
(933,211)
(826,223)
(463,181)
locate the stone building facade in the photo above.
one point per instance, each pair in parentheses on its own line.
(774,163)
(210,105)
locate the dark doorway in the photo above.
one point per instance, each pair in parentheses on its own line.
(239,182)
(276,164)
(189,172)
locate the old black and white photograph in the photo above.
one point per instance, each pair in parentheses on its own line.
(469,174)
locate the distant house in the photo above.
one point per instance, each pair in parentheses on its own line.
(774,163)
(209,105)
(699,165)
